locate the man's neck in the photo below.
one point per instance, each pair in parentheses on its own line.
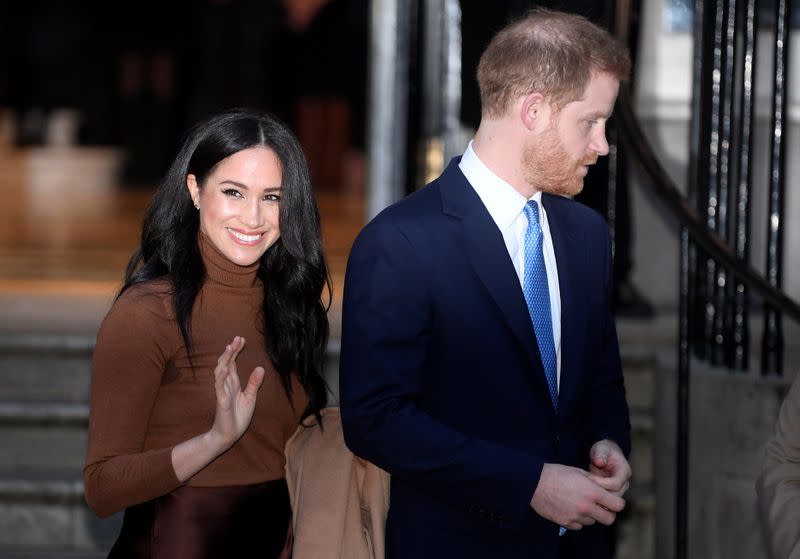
(499,149)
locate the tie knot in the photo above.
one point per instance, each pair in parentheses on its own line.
(532,212)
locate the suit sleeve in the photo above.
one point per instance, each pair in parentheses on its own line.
(387,329)
(127,369)
(778,486)
(610,415)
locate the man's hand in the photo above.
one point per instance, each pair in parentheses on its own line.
(570,498)
(609,468)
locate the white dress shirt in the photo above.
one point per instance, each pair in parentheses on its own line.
(505,205)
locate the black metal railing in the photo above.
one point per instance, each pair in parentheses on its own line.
(721,177)
(717,277)
(680,207)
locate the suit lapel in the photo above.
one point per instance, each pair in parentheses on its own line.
(568,249)
(492,265)
(489,258)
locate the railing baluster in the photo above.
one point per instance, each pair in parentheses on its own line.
(682,443)
(712,210)
(721,354)
(691,288)
(699,135)
(772,344)
(741,330)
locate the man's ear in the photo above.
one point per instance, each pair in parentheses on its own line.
(194,190)
(532,110)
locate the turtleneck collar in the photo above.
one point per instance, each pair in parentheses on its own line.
(221,270)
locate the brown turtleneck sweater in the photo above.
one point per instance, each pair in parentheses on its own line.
(146,399)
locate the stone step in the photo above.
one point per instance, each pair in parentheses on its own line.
(57,367)
(637,525)
(44,414)
(639,375)
(636,530)
(43,513)
(30,447)
(36,434)
(48,367)
(642,448)
(44,380)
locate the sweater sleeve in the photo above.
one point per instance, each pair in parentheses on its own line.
(128,365)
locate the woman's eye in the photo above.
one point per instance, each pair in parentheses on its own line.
(232,192)
(272,197)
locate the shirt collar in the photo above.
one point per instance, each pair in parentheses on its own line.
(501,199)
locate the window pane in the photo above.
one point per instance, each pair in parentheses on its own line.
(678,15)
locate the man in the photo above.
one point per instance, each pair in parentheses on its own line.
(479,20)
(480,364)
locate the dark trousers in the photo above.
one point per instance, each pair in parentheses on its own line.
(566,547)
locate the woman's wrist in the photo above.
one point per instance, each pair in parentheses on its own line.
(189,457)
(215,442)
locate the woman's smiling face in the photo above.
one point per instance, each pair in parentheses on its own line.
(239,204)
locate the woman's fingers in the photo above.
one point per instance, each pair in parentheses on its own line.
(256,378)
(231,351)
(237,345)
(221,370)
(228,357)
(226,379)
(235,406)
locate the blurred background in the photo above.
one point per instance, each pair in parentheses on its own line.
(94,99)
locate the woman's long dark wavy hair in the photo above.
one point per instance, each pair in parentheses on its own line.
(293,270)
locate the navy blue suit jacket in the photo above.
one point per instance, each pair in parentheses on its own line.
(441,380)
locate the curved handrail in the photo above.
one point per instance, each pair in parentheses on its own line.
(638,144)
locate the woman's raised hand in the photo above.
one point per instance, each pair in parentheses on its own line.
(234,411)
(234,406)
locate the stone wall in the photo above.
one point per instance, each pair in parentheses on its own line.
(732,417)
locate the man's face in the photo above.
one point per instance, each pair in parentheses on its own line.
(558,157)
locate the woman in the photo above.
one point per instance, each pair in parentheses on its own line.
(212,351)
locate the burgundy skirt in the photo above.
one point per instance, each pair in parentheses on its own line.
(208,522)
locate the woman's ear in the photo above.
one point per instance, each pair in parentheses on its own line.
(194,190)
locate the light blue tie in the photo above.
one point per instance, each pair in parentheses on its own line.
(537,296)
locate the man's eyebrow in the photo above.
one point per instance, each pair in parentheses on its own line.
(599,114)
(244,186)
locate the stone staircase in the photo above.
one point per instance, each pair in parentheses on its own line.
(640,344)
(44,390)
(44,413)
(636,531)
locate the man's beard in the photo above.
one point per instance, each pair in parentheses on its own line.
(549,167)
